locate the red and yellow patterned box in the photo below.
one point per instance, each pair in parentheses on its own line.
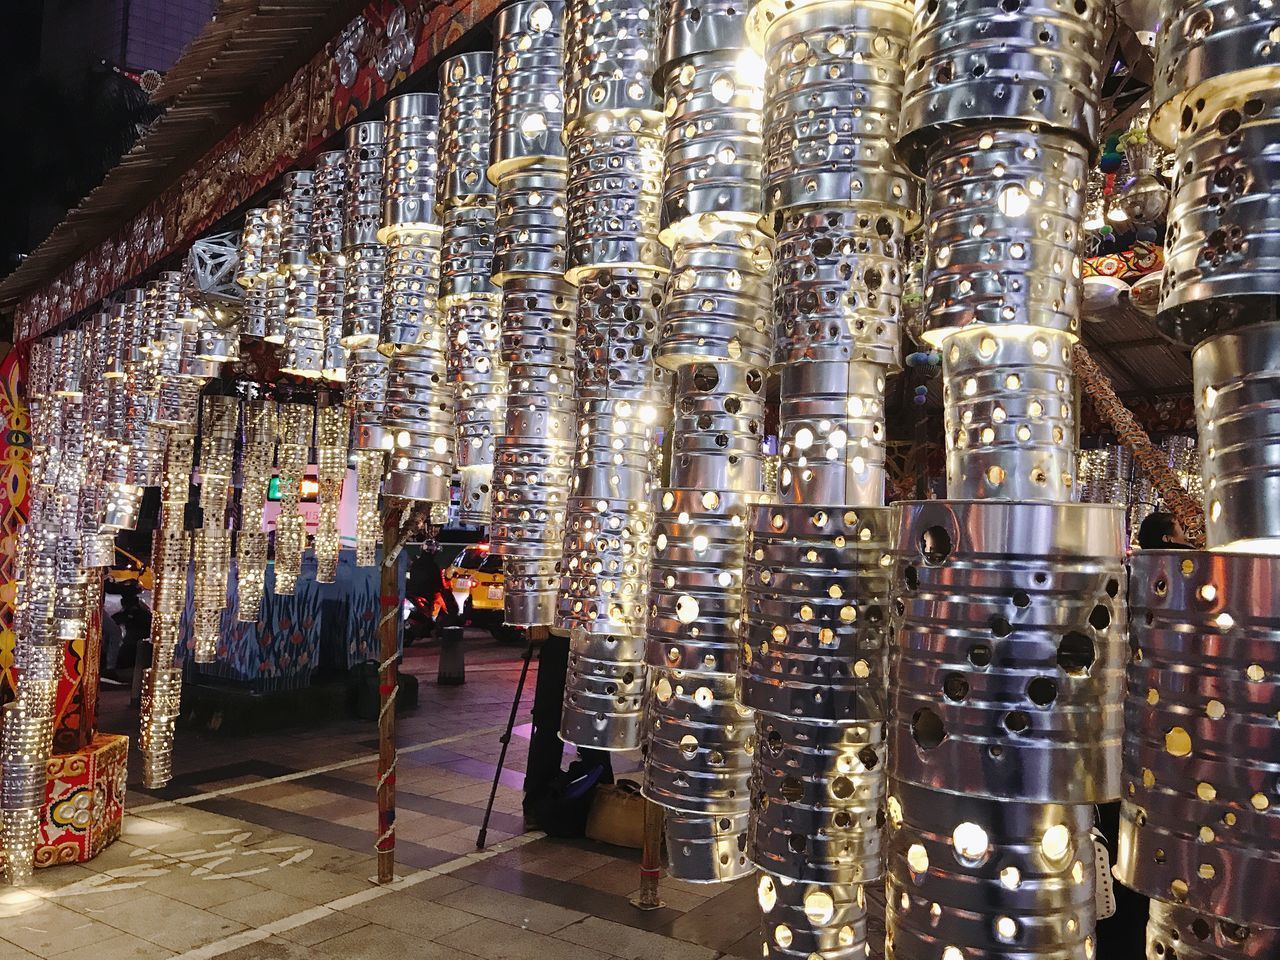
(84,801)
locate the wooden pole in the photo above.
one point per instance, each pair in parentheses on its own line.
(651,858)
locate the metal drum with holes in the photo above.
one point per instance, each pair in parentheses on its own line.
(1199,824)
(297,192)
(304,349)
(832,106)
(250,248)
(1003,64)
(529,591)
(419,419)
(466,254)
(810,921)
(366,395)
(466,95)
(1237,378)
(253,320)
(838,284)
(539,321)
(603,691)
(716,302)
(970,877)
(269,258)
(831,432)
(329,212)
(610,50)
(530,230)
(616,451)
(411,315)
(615,195)
(707,849)
(528,88)
(714,147)
(333,274)
(530,502)
(411,164)
(1008,648)
(473,327)
(1176,931)
(816,612)
(718,428)
(1004,210)
(365,148)
(1207,48)
(1009,414)
(693,27)
(606,569)
(617,330)
(363,295)
(817,790)
(1222,266)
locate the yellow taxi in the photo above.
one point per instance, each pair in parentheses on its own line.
(484,571)
(128,567)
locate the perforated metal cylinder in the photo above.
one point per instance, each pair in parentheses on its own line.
(1178,931)
(1009,414)
(411,164)
(528,87)
(607,549)
(1006,879)
(610,50)
(831,433)
(363,294)
(253,321)
(809,921)
(466,96)
(604,686)
(1009,640)
(988,63)
(716,301)
(1222,267)
(617,330)
(692,27)
(411,315)
(839,278)
(466,253)
(366,395)
(250,248)
(1206,48)
(529,591)
(707,849)
(531,225)
(832,102)
(272,236)
(1199,824)
(539,322)
(418,419)
(718,428)
(328,215)
(304,349)
(615,194)
(1004,210)
(1238,413)
(714,146)
(365,148)
(276,302)
(329,300)
(297,200)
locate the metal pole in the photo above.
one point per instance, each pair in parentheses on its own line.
(650,858)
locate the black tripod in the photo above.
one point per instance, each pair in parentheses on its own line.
(535,637)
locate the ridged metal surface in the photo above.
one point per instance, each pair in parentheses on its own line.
(411,315)
(1009,414)
(419,418)
(250,247)
(718,429)
(707,849)
(1003,211)
(297,195)
(466,96)
(532,225)
(1199,824)
(539,322)
(693,27)
(610,51)
(363,294)
(1000,64)
(466,253)
(329,211)
(528,84)
(810,921)
(617,331)
(1222,266)
(969,876)
(366,395)
(1178,931)
(530,588)
(411,164)
(1009,640)
(366,147)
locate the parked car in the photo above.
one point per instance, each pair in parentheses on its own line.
(482,571)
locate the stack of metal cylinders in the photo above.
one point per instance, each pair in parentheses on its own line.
(1199,830)
(469,299)
(1009,627)
(253,319)
(257,465)
(304,336)
(715,336)
(271,275)
(295,427)
(815,620)
(219,435)
(329,186)
(97,539)
(528,168)
(417,419)
(333,430)
(613,133)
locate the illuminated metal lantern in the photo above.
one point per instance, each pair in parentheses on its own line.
(366,396)
(257,456)
(363,252)
(707,849)
(531,227)
(296,425)
(466,96)
(369,469)
(250,250)
(418,418)
(333,427)
(806,920)
(411,164)
(528,88)
(411,316)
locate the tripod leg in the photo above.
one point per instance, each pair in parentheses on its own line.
(505,741)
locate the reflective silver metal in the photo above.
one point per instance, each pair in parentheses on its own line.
(606,581)
(1008,646)
(329,300)
(1206,48)
(418,419)
(466,95)
(528,88)
(272,235)
(1009,414)
(329,210)
(1222,267)
(615,194)
(610,51)
(1199,825)
(1007,879)
(297,198)
(693,27)
(1003,212)
(539,322)
(810,921)
(363,295)
(251,247)
(411,315)
(253,321)
(304,349)
(530,588)
(277,308)
(714,146)
(467,253)
(604,686)
(1178,931)
(997,64)
(531,226)
(617,330)
(411,164)
(831,433)
(365,148)
(1238,413)
(839,277)
(716,303)
(718,428)
(707,849)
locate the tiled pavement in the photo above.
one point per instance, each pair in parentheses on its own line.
(262,849)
